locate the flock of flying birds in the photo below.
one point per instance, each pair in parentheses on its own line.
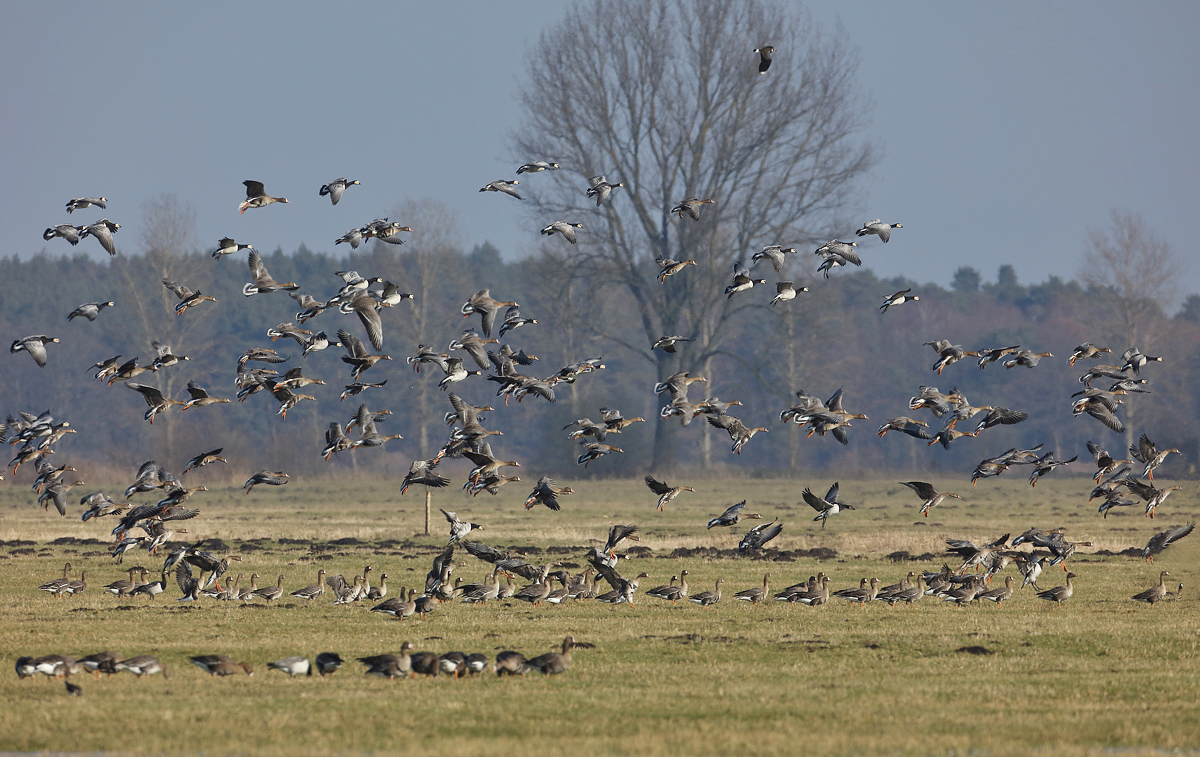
(367,299)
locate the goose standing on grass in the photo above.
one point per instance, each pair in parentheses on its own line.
(501,185)
(898,298)
(756,594)
(600,188)
(143,665)
(827,506)
(879,229)
(1059,594)
(227,246)
(35,345)
(278,478)
(554,662)
(707,598)
(293,666)
(103,230)
(263,283)
(925,491)
(257,197)
(691,206)
(79,203)
(563,227)
(764,58)
(335,188)
(1154,593)
(89,310)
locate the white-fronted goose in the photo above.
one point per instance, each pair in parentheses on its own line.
(257,197)
(756,594)
(1027,358)
(1146,452)
(553,663)
(665,493)
(1059,594)
(732,515)
(143,665)
(707,598)
(1157,543)
(931,497)
(263,283)
(1154,593)
(668,267)
(691,206)
(277,478)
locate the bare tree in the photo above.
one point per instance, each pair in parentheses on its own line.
(665,97)
(168,251)
(1132,275)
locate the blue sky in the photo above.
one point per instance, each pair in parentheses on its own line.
(1006,130)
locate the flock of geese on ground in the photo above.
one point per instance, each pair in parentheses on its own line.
(368,297)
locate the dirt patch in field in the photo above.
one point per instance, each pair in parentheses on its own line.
(975,650)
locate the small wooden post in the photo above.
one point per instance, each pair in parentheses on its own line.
(428,497)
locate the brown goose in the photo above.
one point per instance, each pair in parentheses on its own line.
(1146,452)
(706,598)
(756,594)
(925,491)
(483,303)
(1059,594)
(263,283)
(691,206)
(669,267)
(1154,593)
(666,493)
(554,663)
(257,197)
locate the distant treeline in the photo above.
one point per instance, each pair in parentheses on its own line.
(830,337)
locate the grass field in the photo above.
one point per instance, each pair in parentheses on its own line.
(1099,673)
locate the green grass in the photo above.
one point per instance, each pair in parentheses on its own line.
(1100,672)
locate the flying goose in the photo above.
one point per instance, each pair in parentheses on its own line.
(501,185)
(35,345)
(878,228)
(227,246)
(827,506)
(103,230)
(537,166)
(79,203)
(764,58)
(335,188)
(89,310)
(691,206)
(263,283)
(600,188)
(563,227)
(257,197)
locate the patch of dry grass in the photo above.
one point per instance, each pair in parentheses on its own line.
(1101,672)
